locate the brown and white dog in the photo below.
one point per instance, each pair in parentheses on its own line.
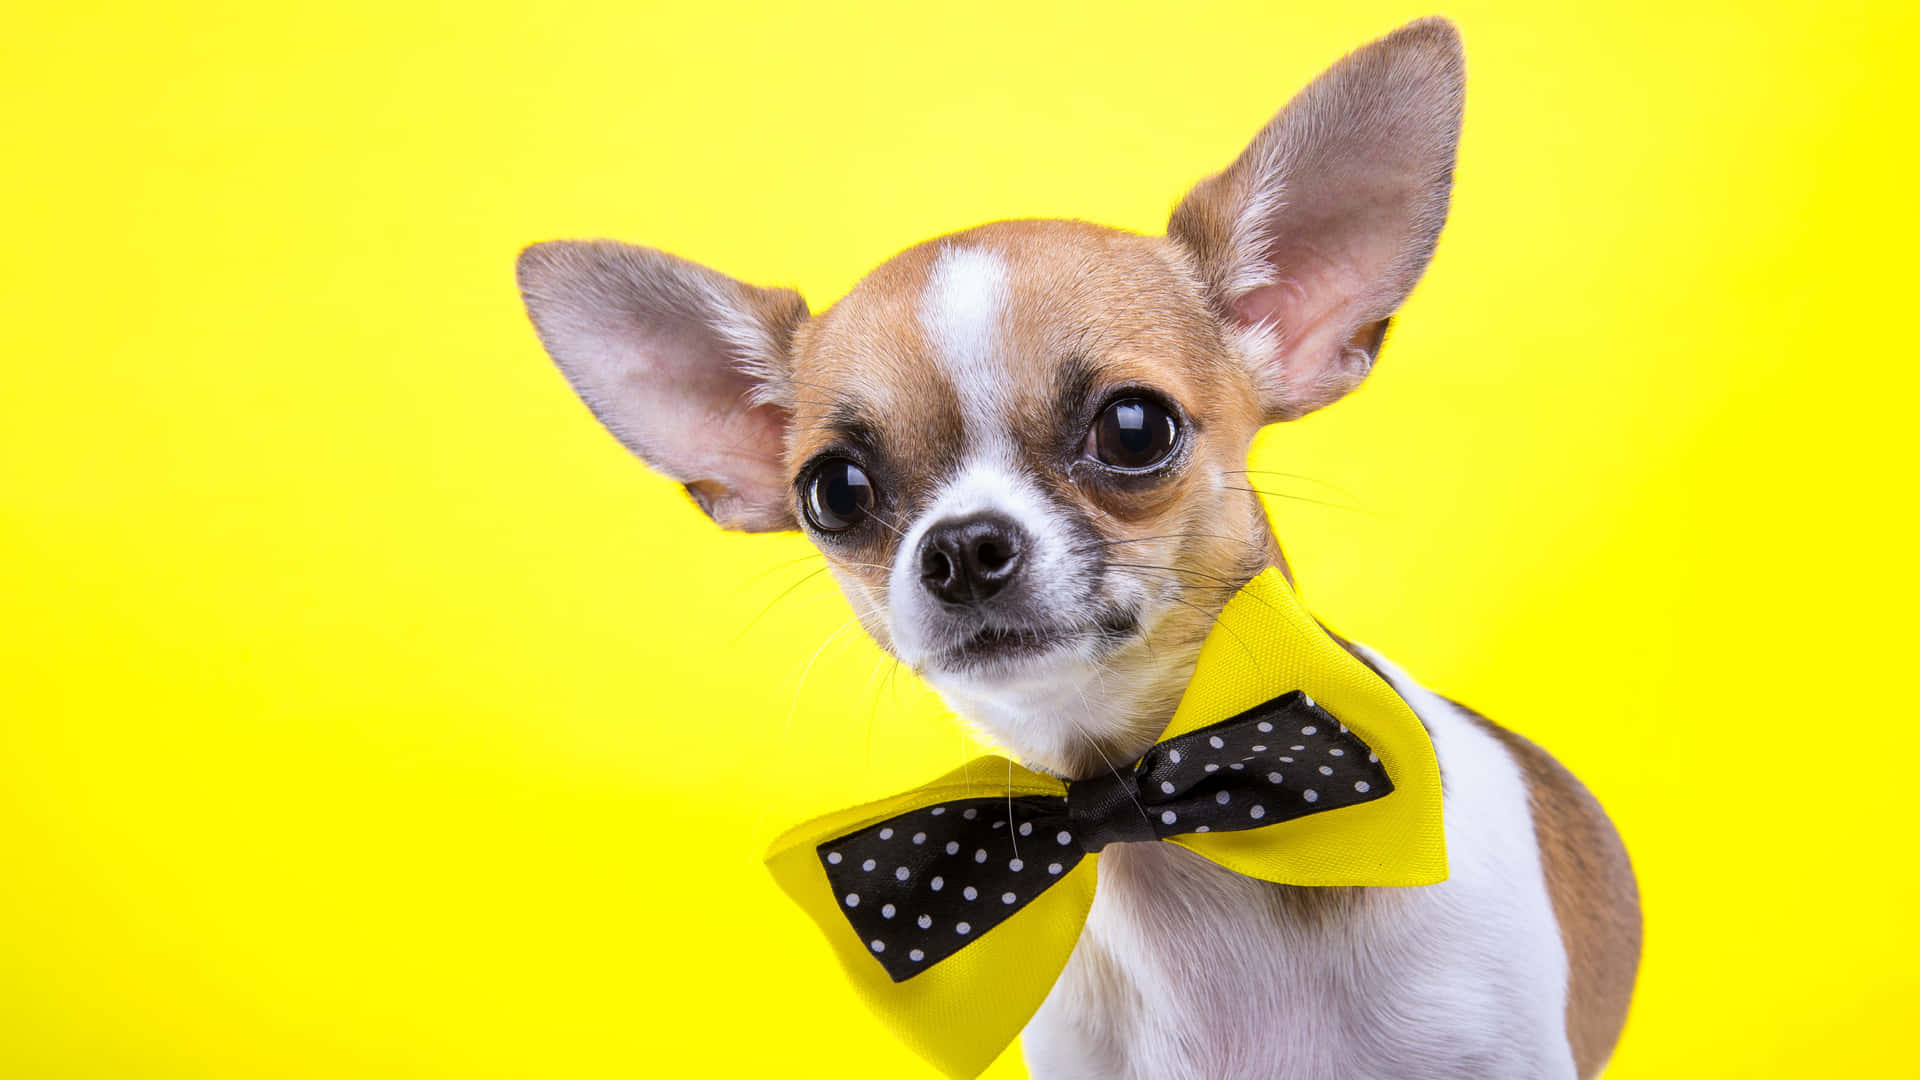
(1021,449)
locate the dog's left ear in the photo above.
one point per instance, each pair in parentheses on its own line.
(1314,236)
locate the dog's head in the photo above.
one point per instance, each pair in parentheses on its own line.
(1020,446)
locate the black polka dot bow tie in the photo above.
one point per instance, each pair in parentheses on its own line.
(919,885)
(954,905)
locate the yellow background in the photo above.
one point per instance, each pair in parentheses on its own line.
(366,711)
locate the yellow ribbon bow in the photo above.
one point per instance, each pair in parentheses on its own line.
(963,1008)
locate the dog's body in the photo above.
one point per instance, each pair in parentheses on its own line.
(1021,449)
(1513,967)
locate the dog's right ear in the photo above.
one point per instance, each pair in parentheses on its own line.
(1314,236)
(686,366)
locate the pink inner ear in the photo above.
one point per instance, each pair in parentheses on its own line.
(1297,312)
(1317,355)
(1261,306)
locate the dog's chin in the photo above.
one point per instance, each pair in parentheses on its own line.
(999,656)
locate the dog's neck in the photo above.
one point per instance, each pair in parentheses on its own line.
(1093,718)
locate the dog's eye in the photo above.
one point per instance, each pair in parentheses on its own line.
(838,495)
(1133,433)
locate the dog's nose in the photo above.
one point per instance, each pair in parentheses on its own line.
(965,560)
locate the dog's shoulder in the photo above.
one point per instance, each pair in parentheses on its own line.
(1589,879)
(1595,896)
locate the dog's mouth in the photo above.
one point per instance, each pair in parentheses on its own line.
(1005,647)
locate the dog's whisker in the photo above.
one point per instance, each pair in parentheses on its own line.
(1297,476)
(1305,499)
(1226,582)
(873,712)
(1214,619)
(1171,536)
(794,705)
(784,593)
(893,685)
(1013,834)
(1226,585)
(776,568)
(1094,745)
(887,525)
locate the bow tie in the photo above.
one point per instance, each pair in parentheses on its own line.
(954,907)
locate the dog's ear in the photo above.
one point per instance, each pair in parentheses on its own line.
(1315,235)
(686,366)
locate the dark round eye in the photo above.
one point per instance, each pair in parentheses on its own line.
(1133,433)
(838,495)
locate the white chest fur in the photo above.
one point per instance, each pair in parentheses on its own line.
(1190,970)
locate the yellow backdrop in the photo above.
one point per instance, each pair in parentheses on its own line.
(366,711)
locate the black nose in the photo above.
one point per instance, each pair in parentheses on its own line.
(965,560)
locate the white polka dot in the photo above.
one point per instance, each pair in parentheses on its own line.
(887,911)
(962,928)
(924,921)
(1166,787)
(919,838)
(1257,812)
(1309,700)
(937,884)
(886,834)
(938,810)
(1326,770)
(833,858)
(1260,749)
(901,873)
(1007,898)
(1203,828)
(1016,865)
(1211,767)
(969,892)
(1286,761)
(1238,765)
(1337,752)
(868,865)
(1310,795)
(879,946)
(953,848)
(1053,868)
(1274,778)
(1026,828)
(1168,817)
(1362,787)
(1373,758)
(1173,756)
(1309,730)
(970,813)
(1265,727)
(1064,838)
(853,899)
(1296,748)
(1216,743)
(980,855)
(999,824)
(916,956)
(1222,798)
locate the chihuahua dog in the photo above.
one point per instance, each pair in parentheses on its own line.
(1021,450)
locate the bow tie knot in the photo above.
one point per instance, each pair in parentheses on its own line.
(1108,810)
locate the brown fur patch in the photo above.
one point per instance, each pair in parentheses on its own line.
(1595,898)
